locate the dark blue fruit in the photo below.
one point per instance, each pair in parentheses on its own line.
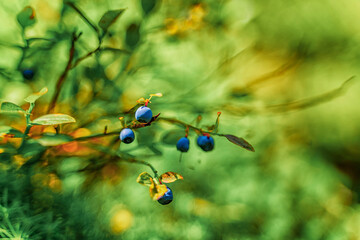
(28,74)
(183,144)
(143,114)
(127,135)
(167,197)
(206,143)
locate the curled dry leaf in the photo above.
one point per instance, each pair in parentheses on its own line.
(145,179)
(239,141)
(170,177)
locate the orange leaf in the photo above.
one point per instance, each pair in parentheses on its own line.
(170,177)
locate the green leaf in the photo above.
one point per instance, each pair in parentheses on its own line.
(239,141)
(109,18)
(11,107)
(26,17)
(10,132)
(31,148)
(54,139)
(145,179)
(132,35)
(171,137)
(148,5)
(7,148)
(33,97)
(53,119)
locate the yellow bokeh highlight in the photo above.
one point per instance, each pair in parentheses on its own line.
(121,220)
(194,21)
(49,129)
(19,160)
(81,132)
(54,183)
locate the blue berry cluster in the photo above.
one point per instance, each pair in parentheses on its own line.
(144,115)
(205,142)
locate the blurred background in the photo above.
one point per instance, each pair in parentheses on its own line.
(281,72)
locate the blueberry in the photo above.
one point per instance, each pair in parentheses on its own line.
(166,198)
(143,114)
(183,144)
(127,135)
(28,74)
(206,143)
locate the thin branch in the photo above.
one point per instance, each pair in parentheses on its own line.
(82,15)
(113,153)
(63,76)
(117,132)
(312,101)
(84,57)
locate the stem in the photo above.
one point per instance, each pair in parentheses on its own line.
(113,153)
(85,18)
(188,126)
(63,76)
(24,49)
(28,124)
(84,57)
(143,163)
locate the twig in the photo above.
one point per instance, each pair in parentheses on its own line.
(312,101)
(63,76)
(113,153)
(84,57)
(82,15)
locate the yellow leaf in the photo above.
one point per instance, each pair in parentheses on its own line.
(157,191)
(140,100)
(170,177)
(145,179)
(33,97)
(156,95)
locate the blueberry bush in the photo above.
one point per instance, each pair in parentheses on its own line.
(98,97)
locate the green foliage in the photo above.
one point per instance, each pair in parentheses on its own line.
(132,35)
(54,139)
(109,18)
(276,71)
(11,131)
(35,96)
(148,6)
(26,17)
(53,119)
(11,107)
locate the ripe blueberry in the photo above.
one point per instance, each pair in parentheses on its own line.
(167,197)
(28,74)
(206,143)
(143,114)
(183,144)
(127,135)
